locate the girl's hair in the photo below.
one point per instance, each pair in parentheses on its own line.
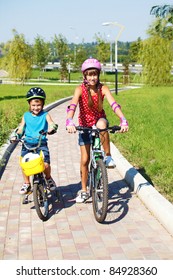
(98,85)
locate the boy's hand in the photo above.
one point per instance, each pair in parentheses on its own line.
(54,128)
(14,138)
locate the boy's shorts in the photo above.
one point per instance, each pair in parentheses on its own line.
(43,148)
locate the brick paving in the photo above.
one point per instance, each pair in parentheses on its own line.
(130,231)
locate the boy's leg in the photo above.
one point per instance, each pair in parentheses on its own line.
(26,185)
(50,181)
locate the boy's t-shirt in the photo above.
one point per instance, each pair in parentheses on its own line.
(33,125)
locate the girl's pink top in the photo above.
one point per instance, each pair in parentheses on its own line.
(89,116)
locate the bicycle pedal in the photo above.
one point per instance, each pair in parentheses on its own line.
(25,199)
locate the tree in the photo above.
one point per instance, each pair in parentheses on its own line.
(156,58)
(163,11)
(103,48)
(163,26)
(18,61)
(41,52)
(61,46)
(81,55)
(134,50)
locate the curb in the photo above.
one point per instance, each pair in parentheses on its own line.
(159,206)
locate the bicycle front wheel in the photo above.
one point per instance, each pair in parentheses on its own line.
(100,192)
(41,201)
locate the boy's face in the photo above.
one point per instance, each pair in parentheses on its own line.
(36,106)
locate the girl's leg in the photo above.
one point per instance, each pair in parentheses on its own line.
(104,136)
(85,158)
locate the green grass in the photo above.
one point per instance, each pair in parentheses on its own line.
(13,104)
(147,146)
(149,143)
(54,76)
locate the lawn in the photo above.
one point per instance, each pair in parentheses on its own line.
(149,143)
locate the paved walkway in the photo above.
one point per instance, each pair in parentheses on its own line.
(129,232)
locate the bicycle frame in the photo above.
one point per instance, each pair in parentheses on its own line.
(96,151)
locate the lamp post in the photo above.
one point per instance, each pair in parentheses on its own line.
(76,38)
(121,28)
(110,52)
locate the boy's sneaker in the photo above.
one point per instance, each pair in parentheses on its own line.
(25,188)
(51,184)
(110,163)
(82,196)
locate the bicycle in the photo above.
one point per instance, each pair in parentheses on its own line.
(97,176)
(32,165)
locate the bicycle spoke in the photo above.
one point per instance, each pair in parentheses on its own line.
(41,201)
(100,192)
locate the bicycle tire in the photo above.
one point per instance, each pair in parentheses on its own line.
(100,191)
(41,201)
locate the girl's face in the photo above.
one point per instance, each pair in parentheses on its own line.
(92,76)
(36,106)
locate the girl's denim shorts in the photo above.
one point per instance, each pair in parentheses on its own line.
(43,148)
(85,137)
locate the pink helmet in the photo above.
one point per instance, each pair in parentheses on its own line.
(91,63)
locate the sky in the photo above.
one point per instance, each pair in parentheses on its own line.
(77,20)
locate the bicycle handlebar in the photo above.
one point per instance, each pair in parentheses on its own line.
(41,133)
(111,129)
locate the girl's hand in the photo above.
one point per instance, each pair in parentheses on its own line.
(124,125)
(124,129)
(71,129)
(70,126)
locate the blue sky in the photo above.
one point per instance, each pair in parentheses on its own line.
(77,20)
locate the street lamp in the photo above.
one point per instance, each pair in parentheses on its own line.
(110,52)
(76,38)
(121,28)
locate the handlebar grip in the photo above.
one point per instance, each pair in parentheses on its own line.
(82,128)
(52,132)
(115,128)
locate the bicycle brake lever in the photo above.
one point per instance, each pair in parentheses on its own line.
(52,132)
(42,132)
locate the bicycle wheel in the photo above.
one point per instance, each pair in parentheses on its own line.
(41,201)
(100,192)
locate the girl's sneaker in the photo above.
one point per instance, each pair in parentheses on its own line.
(25,188)
(82,196)
(51,184)
(110,163)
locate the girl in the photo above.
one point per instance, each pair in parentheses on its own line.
(90,95)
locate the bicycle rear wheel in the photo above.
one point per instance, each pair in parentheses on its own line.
(100,192)
(41,201)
